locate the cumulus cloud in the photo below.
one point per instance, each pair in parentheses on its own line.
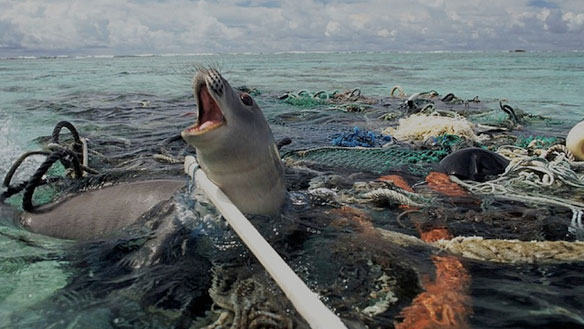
(190,26)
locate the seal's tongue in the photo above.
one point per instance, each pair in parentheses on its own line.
(209,112)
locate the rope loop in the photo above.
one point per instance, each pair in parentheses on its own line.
(37,179)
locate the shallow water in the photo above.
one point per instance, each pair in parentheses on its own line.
(128,106)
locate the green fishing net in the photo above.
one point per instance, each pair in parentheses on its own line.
(302,101)
(539,141)
(377,160)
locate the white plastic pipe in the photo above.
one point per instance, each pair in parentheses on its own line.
(304,300)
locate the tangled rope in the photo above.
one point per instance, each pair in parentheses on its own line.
(351,107)
(383,195)
(526,176)
(69,158)
(514,251)
(165,156)
(534,171)
(306,99)
(37,179)
(497,250)
(400,91)
(510,112)
(361,138)
(558,150)
(420,127)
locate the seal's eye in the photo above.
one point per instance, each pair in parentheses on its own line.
(246,99)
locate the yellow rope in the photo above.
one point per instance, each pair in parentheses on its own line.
(498,250)
(514,251)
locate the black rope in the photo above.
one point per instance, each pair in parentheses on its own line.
(68,125)
(448,98)
(77,145)
(17,163)
(37,179)
(12,190)
(173,139)
(510,111)
(69,158)
(283,142)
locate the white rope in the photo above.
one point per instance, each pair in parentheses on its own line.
(304,300)
(387,195)
(503,193)
(85,152)
(576,227)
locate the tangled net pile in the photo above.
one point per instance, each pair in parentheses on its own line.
(541,172)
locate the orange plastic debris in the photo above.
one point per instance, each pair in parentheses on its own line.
(441,183)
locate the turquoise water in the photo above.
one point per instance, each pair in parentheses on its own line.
(137,102)
(541,83)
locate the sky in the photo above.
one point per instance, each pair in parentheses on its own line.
(125,27)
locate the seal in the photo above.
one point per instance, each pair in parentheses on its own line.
(474,163)
(95,214)
(235,146)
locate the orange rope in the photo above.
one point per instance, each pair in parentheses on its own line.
(441,183)
(349,216)
(400,182)
(445,303)
(435,234)
(397,181)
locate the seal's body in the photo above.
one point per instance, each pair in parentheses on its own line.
(235,146)
(474,163)
(97,213)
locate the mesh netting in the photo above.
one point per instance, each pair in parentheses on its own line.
(377,160)
(537,141)
(304,101)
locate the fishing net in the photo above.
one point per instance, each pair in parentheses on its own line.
(376,160)
(535,141)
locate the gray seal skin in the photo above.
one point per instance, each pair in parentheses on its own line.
(235,146)
(97,213)
(474,163)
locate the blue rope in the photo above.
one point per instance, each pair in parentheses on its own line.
(360,138)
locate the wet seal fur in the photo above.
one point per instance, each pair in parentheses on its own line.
(474,163)
(235,146)
(96,213)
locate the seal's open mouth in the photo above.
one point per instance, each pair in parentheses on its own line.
(210,115)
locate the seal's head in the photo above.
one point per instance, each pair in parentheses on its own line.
(235,146)
(223,112)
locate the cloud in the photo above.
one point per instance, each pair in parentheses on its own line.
(541,4)
(189,26)
(574,22)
